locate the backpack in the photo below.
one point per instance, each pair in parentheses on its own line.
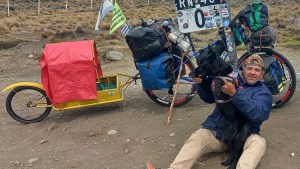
(274,77)
(146,41)
(157,73)
(256,16)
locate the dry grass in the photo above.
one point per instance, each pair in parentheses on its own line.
(54,21)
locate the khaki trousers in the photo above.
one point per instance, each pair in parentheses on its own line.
(204,141)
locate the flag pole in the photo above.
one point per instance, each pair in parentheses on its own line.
(39,6)
(8,7)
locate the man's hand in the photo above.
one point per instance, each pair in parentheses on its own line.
(228,88)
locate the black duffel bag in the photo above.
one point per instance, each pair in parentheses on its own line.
(264,37)
(146,41)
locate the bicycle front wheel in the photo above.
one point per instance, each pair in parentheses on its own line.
(186,90)
(289,78)
(27,104)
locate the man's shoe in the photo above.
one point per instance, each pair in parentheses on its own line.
(150,166)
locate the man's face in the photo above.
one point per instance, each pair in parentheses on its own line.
(252,74)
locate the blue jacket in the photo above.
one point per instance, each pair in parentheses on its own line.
(254,101)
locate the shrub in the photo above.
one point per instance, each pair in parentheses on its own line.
(8,44)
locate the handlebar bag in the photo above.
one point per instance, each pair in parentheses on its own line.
(157,73)
(146,42)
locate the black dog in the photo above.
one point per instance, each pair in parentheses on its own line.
(236,127)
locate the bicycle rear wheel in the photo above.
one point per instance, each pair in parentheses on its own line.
(186,90)
(289,84)
(28,104)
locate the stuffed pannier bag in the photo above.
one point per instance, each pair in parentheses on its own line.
(157,73)
(146,41)
(274,77)
(265,37)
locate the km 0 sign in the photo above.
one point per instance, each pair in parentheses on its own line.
(197,15)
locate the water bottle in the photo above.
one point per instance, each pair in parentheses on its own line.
(177,37)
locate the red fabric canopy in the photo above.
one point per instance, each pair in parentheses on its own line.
(69,71)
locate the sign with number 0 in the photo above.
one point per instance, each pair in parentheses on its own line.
(197,15)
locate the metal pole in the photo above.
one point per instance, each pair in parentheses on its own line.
(66,4)
(91,4)
(8,7)
(148,2)
(39,6)
(229,38)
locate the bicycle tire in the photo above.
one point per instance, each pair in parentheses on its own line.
(17,105)
(162,97)
(285,96)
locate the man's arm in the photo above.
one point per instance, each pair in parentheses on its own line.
(257,108)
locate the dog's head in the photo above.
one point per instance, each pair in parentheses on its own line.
(212,65)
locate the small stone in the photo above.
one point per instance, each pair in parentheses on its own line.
(103,141)
(172,134)
(144,110)
(30,165)
(43,141)
(172,145)
(17,163)
(52,126)
(92,134)
(143,141)
(126,151)
(112,132)
(127,140)
(189,115)
(30,161)
(30,56)
(201,105)
(292,154)
(114,56)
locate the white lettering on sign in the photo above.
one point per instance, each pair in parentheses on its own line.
(204,1)
(190,3)
(181,4)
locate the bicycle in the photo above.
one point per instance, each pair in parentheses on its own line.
(279,98)
(32,95)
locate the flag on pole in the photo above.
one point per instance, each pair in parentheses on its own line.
(118,18)
(105,7)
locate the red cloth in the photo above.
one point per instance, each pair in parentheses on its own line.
(69,71)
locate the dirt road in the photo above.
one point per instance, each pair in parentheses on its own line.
(78,138)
